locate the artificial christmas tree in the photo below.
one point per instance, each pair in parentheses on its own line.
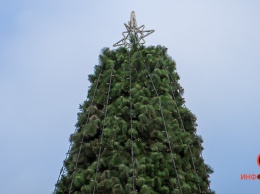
(134,133)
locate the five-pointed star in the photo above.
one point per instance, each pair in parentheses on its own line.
(133,31)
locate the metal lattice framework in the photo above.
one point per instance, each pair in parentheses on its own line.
(133,32)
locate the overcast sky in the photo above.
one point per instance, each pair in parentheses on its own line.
(48,48)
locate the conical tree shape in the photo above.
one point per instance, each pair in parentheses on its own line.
(134,134)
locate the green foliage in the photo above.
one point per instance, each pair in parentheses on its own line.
(186,188)
(158,146)
(158,143)
(118,189)
(146,189)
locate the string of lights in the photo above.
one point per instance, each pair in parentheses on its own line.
(172,81)
(182,125)
(102,135)
(82,139)
(165,128)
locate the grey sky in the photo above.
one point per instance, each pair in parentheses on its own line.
(48,49)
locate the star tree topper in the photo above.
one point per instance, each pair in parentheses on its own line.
(133,34)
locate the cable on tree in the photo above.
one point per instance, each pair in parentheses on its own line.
(165,128)
(102,135)
(171,80)
(62,168)
(132,139)
(81,143)
(182,125)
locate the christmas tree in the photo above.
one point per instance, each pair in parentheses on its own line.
(134,133)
